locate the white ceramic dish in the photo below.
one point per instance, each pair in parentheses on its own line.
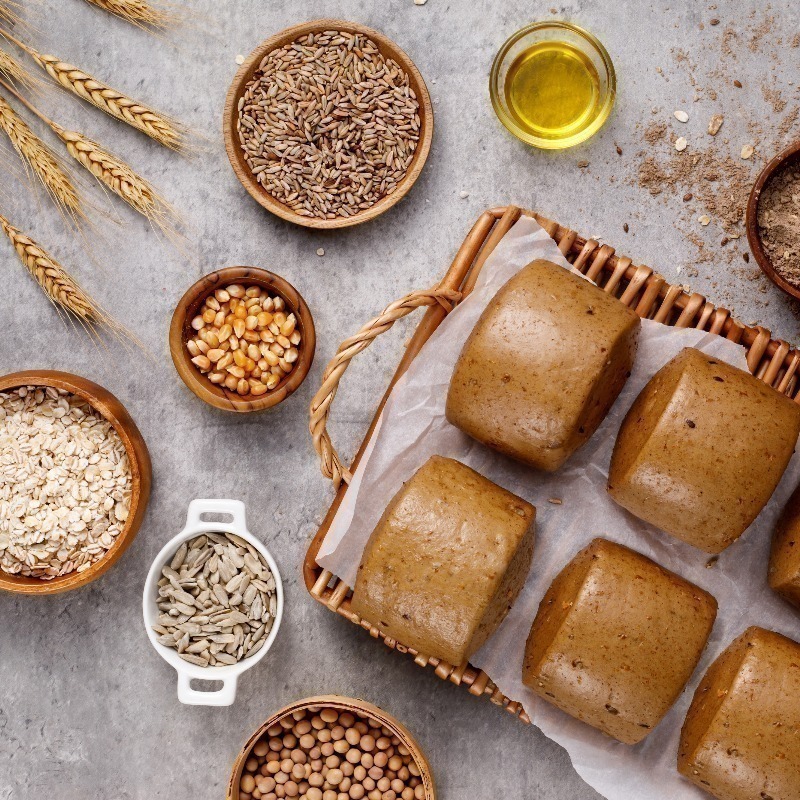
(228,675)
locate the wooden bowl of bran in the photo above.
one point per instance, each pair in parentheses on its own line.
(784,160)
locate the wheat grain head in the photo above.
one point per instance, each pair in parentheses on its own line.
(42,162)
(139,12)
(156,125)
(54,280)
(120,178)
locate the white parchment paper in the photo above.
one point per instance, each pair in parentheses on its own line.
(413,427)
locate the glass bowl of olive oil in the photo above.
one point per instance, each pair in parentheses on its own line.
(553,85)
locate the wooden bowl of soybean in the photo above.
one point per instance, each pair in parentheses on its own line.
(181,331)
(372,751)
(389,50)
(109,407)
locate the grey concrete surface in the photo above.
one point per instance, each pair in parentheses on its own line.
(87,709)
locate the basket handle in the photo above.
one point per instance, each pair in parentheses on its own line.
(331,465)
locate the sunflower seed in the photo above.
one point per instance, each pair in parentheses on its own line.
(192,659)
(179,557)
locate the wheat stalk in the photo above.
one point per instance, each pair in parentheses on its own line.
(56,282)
(42,162)
(138,12)
(156,125)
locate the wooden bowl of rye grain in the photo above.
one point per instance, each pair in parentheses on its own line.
(111,410)
(333,165)
(772,220)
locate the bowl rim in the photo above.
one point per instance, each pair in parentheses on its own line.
(195,526)
(199,384)
(778,162)
(103,402)
(231,112)
(340,703)
(508,121)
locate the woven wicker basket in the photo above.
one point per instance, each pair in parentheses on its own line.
(639,287)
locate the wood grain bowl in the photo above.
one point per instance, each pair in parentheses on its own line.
(245,74)
(181,331)
(783,159)
(141,477)
(340,704)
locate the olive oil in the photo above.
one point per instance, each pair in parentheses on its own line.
(553,90)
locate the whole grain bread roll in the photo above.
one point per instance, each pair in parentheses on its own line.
(616,639)
(543,365)
(784,562)
(702,449)
(446,561)
(741,736)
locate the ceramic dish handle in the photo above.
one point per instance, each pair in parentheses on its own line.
(331,464)
(235,508)
(191,697)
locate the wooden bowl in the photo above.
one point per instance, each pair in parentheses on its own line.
(141,473)
(789,155)
(180,332)
(340,704)
(231,114)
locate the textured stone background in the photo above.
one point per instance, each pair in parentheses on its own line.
(87,709)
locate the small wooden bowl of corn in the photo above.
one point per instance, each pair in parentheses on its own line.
(242,339)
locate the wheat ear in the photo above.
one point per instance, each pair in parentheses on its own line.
(156,125)
(10,11)
(122,180)
(42,162)
(113,173)
(139,12)
(56,282)
(17,75)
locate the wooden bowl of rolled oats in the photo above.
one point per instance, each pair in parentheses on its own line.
(328,124)
(75,480)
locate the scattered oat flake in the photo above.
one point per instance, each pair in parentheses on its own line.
(715,123)
(681,116)
(240,59)
(747,151)
(704,219)
(321,251)
(420,2)
(556,501)
(680,144)
(463,195)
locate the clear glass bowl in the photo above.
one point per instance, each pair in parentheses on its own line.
(572,35)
